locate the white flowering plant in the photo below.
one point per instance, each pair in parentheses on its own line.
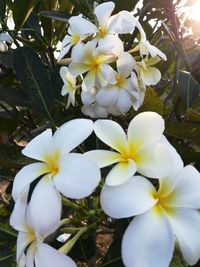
(99,134)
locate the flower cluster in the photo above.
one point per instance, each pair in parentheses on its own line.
(71,174)
(162,215)
(111,79)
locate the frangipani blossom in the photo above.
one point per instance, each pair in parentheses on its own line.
(148,74)
(72,174)
(69,86)
(108,28)
(88,58)
(162,215)
(145,47)
(76,34)
(119,88)
(140,150)
(31,251)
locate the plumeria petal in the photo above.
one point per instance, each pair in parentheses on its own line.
(103,12)
(48,256)
(81,26)
(154,161)
(78,68)
(122,22)
(107,96)
(148,241)
(124,102)
(129,199)
(78,53)
(71,134)
(45,207)
(88,97)
(78,176)
(25,177)
(121,172)
(150,76)
(187,189)
(23,240)
(125,64)
(89,81)
(111,43)
(30,255)
(185,224)
(103,157)
(111,134)
(39,146)
(139,133)
(18,215)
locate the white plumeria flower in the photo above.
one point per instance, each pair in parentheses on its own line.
(108,27)
(137,92)
(148,74)
(77,33)
(140,150)
(119,88)
(88,58)
(31,251)
(166,214)
(145,47)
(5,38)
(72,174)
(69,88)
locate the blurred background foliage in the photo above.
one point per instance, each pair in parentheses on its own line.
(30,99)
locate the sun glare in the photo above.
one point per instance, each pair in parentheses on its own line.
(194,11)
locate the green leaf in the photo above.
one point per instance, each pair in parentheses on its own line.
(14,96)
(11,157)
(57,15)
(7,125)
(177,260)
(2,9)
(152,102)
(189,87)
(22,10)
(184,130)
(34,79)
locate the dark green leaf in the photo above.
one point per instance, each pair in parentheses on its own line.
(22,10)
(2,9)
(11,157)
(152,102)
(189,87)
(184,130)
(14,96)
(34,79)
(61,16)
(7,125)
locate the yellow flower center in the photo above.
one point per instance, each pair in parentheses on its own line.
(119,80)
(75,38)
(102,32)
(163,203)
(52,163)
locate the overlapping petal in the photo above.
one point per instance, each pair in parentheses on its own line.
(48,256)
(45,207)
(154,160)
(71,134)
(186,191)
(148,241)
(103,12)
(121,172)
(128,199)
(39,146)
(111,134)
(185,223)
(26,176)
(125,64)
(145,128)
(78,176)
(82,26)
(103,157)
